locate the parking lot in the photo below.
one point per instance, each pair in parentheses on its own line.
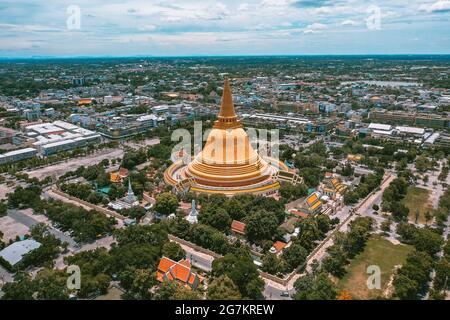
(11,228)
(61,168)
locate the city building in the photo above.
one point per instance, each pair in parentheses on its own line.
(14,253)
(50,138)
(127,126)
(312,204)
(17,155)
(418,119)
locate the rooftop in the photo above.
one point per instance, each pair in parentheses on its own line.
(15,252)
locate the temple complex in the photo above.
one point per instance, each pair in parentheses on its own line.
(228,163)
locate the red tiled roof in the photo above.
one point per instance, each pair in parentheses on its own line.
(298,213)
(123,172)
(238,227)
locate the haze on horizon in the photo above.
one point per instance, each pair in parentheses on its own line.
(228,27)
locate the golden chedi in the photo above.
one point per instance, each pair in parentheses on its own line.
(228,163)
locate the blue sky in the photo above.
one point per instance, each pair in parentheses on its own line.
(203,27)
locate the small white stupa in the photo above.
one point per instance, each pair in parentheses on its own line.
(193,215)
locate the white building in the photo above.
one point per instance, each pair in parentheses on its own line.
(17,155)
(60,136)
(14,253)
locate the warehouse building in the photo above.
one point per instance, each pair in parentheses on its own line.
(17,155)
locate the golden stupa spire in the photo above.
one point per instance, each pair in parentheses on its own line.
(227,115)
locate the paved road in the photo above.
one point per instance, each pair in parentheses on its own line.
(74,163)
(30,222)
(272,292)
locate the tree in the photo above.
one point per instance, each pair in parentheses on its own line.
(216,217)
(386,225)
(412,279)
(399,211)
(442,278)
(171,290)
(142,281)
(3,209)
(239,267)
(347,170)
(335,262)
(136,212)
(427,240)
(309,234)
(166,290)
(260,225)
(375,207)
(183,293)
(270,263)
(405,287)
(315,287)
(173,251)
(223,288)
(290,192)
(295,255)
(166,203)
(428,217)
(51,285)
(21,289)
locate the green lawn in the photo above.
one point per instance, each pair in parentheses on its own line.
(380,252)
(417,199)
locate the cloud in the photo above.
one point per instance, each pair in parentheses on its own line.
(148,27)
(437,7)
(310,3)
(315,28)
(247,26)
(349,23)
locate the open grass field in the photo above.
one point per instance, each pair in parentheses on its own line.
(417,199)
(380,252)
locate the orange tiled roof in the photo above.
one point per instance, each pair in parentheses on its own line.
(165,264)
(172,270)
(191,279)
(159,276)
(114,177)
(180,272)
(185,263)
(317,204)
(238,227)
(311,199)
(279,245)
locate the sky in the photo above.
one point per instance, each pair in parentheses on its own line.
(202,27)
